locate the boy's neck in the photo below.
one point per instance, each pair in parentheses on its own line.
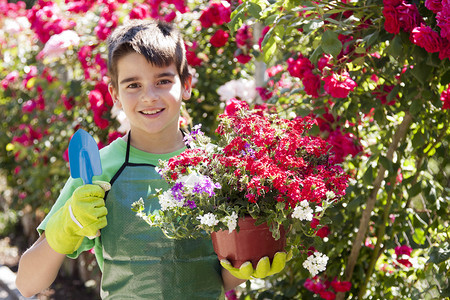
(157,144)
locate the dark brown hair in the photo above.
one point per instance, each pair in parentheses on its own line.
(160,42)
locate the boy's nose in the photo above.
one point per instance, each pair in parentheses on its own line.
(150,94)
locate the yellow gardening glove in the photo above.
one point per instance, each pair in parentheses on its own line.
(263,268)
(84,214)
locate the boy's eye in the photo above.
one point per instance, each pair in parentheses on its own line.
(133,85)
(164,81)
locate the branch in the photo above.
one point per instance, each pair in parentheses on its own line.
(364,222)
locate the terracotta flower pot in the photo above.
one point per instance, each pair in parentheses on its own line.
(249,244)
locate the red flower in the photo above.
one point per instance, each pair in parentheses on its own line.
(405,262)
(299,67)
(427,38)
(341,286)
(443,19)
(140,11)
(243,59)
(403,250)
(445,98)
(323,232)
(391,21)
(434,5)
(314,285)
(408,16)
(314,223)
(219,39)
(217,14)
(339,86)
(311,83)
(244,37)
(264,93)
(327,295)
(234,105)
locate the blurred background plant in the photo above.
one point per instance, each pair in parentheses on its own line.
(374,74)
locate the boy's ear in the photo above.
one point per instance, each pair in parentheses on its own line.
(113,93)
(187,88)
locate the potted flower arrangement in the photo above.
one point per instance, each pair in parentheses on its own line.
(263,169)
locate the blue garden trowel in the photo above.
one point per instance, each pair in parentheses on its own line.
(84,157)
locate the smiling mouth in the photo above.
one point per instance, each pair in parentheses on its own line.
(151,112)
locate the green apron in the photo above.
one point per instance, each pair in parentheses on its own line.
(140,262)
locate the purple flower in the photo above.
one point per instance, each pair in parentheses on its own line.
(190,203)
(177,191)
(192,136)
(248,151)
(205,185)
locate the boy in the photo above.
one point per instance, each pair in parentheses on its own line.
(149,79)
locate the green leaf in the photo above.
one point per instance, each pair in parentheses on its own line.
(439,255)
(368,176)
(395,49)
(254,9)
(421,72)
(237,18)
(315,55)
(445,79)
(330,43)
(419,236)
(415,189)
(270,20)
(386,163)
(392,93)
(269,49)
(416,106)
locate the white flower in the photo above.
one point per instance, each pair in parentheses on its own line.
(190,180)
(167,201)
(231,221)
(243,89)
(315,263)
(330,195)
(303,211)
(208,219)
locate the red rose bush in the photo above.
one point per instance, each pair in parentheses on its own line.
(262,166)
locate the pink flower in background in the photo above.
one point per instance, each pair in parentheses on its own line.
(314,285)
(434,5)
(220,38)
(324,61)
(29,106)
(244,37)
(339,85)
(272,71)
(31,72)
(264,93)
(443,19)
(445,98)
(427,38)
(58,44)
(140,11)
(10,78)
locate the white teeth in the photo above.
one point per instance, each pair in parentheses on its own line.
(151,112)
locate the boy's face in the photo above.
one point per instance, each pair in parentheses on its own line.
(150,96)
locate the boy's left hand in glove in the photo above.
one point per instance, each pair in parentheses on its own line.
(263,269)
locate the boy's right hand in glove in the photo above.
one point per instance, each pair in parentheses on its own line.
(82,215)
